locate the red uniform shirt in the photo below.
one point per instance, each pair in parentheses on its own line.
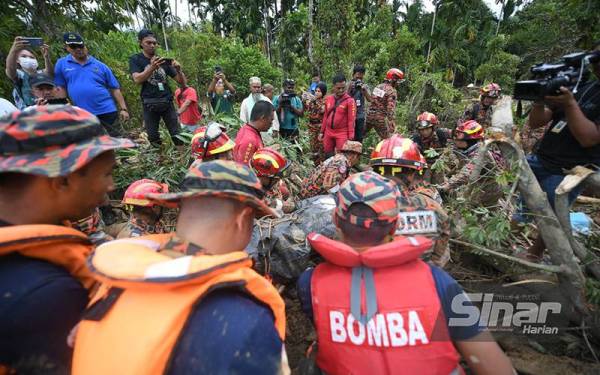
(191,116)
(339,116)
(247,141)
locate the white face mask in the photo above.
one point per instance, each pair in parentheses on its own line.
(28,63)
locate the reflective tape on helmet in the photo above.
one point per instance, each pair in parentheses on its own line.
(417,222)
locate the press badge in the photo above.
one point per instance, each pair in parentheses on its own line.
(378,92)
(559,126)
(161,87)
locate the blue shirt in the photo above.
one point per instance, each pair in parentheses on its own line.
(88,85)
(287,118)
(41,303)
(228,333)
(447,288)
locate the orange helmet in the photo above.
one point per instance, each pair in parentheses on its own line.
(426,120)
(210,140)
(394,75)
(469,130)
(267,162)
(136,192)
(399,152)
(492,90)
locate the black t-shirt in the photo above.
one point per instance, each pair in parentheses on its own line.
(359,98)
(559,149)
(156,87)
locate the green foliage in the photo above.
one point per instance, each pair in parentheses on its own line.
(486,227)
(501,66)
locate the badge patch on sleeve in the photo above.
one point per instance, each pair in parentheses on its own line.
(417,222)
(378,92)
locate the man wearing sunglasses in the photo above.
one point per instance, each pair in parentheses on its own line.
(90,84)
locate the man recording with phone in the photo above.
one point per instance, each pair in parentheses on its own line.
(572,139)
(150,71)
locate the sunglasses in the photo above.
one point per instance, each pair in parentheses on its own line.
(75,46)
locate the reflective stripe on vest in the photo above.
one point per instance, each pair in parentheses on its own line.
(406,335)
(56,244)
(136,334)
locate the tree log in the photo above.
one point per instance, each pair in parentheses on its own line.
(577,176)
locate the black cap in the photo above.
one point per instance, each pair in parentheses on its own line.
(144,33)
(72,38)
(41,79)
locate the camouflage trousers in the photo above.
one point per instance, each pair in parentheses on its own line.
(316,147)
(383,127)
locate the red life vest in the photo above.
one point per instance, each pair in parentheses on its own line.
(407,331)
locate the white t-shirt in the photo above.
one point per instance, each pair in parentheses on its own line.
(246,110)
(6,107)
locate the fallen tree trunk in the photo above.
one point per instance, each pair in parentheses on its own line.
(577,176)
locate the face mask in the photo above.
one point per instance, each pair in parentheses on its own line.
(28,63)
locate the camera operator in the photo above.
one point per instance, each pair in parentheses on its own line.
(288,107)
(573,138)
(360,92)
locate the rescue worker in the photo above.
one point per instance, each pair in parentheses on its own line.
(338,121)
(269,165)
(378,308)
(382,111)
(431,140)
(93,226)
(315,107)
(55,166)
(481,111)
(468,141)
(212,143)
(188,301)
(399,159)
(429,135)
(144,215)
(248,138)
(330,174)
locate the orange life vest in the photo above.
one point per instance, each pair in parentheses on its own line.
(63,246)
(147,299)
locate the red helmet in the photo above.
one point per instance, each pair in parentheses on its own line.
(214,143)
(267,162)
(426,120)
(492,90)
(394,75)
(136,192)
(399,152)
(469,130)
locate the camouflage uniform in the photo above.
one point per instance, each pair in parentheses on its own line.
(219,179)
(434,142)
(382,108)
(135,228)
(315,109)
(280,193)
(485,191)
(478,112)
(328,175)
(421,213)
(93,226)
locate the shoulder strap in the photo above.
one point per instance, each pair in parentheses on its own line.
(335,107)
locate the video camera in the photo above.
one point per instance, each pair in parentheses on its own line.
(286,98)
(358,84)
(548,78)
